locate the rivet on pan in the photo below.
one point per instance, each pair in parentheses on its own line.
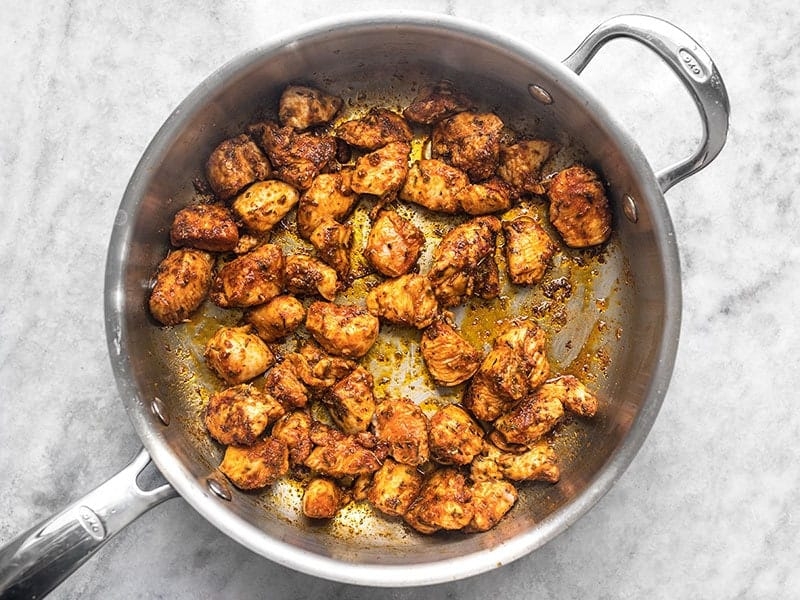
(159,410)
(540,94)
(629,208)
(218,489)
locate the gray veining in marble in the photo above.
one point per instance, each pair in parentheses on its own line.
(709,507)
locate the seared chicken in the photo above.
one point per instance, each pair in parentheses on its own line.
(529,420)
(436,102)
(342,329)
(528,341)
(537,463)
(435,185)
(294,430)
(205,227)
(573,394)
(486,282)
(251,279)
(457,259)
(237,355)
(302,107)
(490,502)
(262,205)
(333,241)
(579,208)
(383,171)
(455,437)
(394,244)
(405,300)
(492,195)
(257,466)
(317,369)
(529,250)
(521,164)
(482,400)
(277,318)
(404,427)
(328,198)
(235,164)
(239,414)
(351,401)
(377,128)
(285,385)
(394,487)
(182,282)
(469,141)
(322,499)
(336,454)
(443,503)
(308,276)
(450,358)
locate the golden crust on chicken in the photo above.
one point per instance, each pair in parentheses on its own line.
(351,401)
(251,279)
(205,227)
(450,358)
(521,164)
(322,499)
(328,198)
(262,205)
(529,250)
(257,466)
(405,300)
(394,244)
(469,141)
(239,414)
(301,107)
(234,164)
(394,487)
(377,128)
(342,329)
(277,318)
(404,427)
(436,102)
(382,171)
(182,282)
(490,501)
(305,275)
(579,207)
(237,355)
(455,437)
(435,185)
(294,430)
(443,502)
(336,454)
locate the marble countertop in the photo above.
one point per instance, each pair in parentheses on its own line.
(709,506)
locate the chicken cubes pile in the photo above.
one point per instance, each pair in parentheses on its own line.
(312,412)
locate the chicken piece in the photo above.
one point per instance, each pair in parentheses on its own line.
(308,276)
(301,107)
(579,207)
(482,400)
(450,358)
(277,318)
(573,394)
(455,437)
(328,198)
(257,466)
(333,241)
(443,502)
(294,430)
(394,487)
(435,185)
(262,205)
(383,171)
(251,279)
(377,128)
(205,227)
(538,463)
(317,369)
(182,282)
(529,250)
(285,385)
(457,258)
(297,158)
(235,164)
(529,420)
(529,342)
(239,414)
(469,141)
(492,195)
(337,455)
(322,499)
(521,165)
(237,355)
(436,102)
(342,329)
(405,300)
(486,280)
(404,427)
(351,401)
(490,502)
(394,244)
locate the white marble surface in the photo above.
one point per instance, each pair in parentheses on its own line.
(709,507)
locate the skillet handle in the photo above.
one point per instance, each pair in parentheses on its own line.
(694,68)
(36,561)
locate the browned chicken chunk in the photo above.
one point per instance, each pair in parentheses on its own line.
(529,420)
(573,394)
(436,102)
(490,502)
(262,205)
(457,259)
(521,164)
(383,171)
(435,185)
(443,503)
(302,107)
(235,164)
(469,141)
(337,455)
(404,427)
(342,329)
(285,385)
(351,401)
(333,241)
(450,358)
(481,398)
(239,414)
(205,227)
(294,430)
(257,466)
(182,282)
(251,279)
(490,196)
(317,369)
(394,244)
(394,487)
(529,250)
(322,499)
(537,463)
(308,276)
(579,207)
(405,300)
(328,198)
(237,355)
(377,128)
(455,437)
(277,318)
